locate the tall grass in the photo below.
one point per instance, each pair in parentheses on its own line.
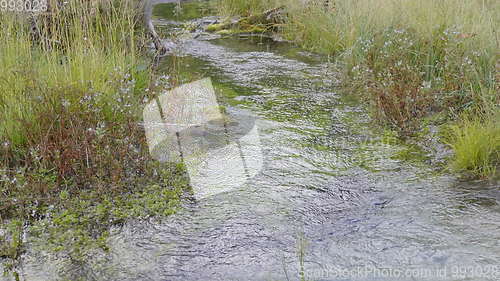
(409,58)
(340,24)
(79,52)
(243,7)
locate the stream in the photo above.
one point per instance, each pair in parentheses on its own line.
(335,199)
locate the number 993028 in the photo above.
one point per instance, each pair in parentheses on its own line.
(23,6)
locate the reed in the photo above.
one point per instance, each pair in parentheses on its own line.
(80,52)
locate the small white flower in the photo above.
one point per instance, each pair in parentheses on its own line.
(66,103)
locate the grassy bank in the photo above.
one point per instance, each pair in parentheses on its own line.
(74,159)
(411,59)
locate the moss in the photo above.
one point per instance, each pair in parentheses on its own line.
(259,23)
(227,32)
(78,224)
(411,153)
(225,29)
(11,239)
(229,93)
(256,29)
(215,27)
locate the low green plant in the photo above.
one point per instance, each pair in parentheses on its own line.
(476,145)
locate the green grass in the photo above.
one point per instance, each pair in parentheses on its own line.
(74,159)
(476,144)
(243,7)
(80,53)
(409,59)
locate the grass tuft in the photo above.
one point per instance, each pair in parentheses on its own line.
(476,144)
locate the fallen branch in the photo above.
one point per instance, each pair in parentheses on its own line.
(148,12)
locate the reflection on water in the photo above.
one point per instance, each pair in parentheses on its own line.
(328,180)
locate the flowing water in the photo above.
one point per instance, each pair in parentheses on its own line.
(337,199)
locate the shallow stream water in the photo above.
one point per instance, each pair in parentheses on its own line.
(333,201)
